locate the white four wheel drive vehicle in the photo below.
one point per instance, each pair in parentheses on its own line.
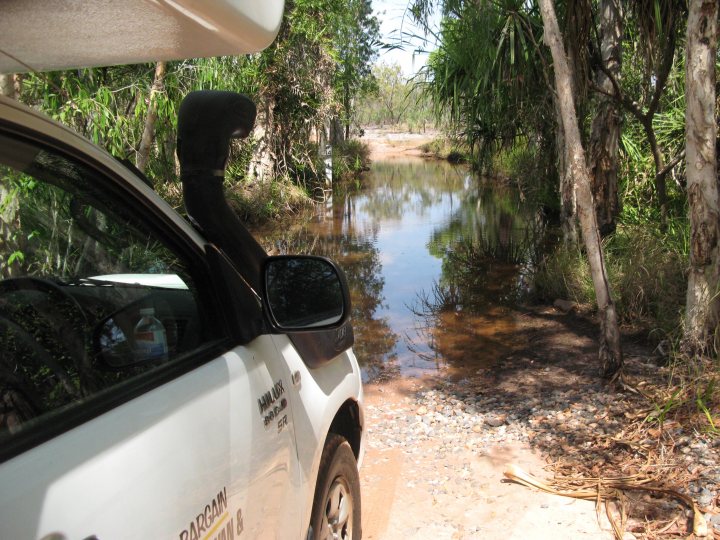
(162,379)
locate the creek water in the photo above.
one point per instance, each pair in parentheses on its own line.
(435,261)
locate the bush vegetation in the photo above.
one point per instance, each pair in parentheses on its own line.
(647,272)
(310,77)
(350,158)
(260,202)
(398,102)
(447,148)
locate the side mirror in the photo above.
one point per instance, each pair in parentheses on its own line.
(305,293)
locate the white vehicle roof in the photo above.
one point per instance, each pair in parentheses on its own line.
(41,35)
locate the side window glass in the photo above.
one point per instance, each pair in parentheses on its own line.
(88,297)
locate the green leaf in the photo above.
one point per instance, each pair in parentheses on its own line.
(18,256)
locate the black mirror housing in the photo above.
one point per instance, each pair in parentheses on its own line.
(305,293)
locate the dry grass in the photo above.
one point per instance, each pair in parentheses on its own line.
(262,201)
(638,471)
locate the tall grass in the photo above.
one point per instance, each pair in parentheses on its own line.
(647,272)
(350,158)
(518,161)
(527,166)
(260,202)
(447,148)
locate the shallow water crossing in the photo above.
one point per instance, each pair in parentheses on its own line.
(435,261)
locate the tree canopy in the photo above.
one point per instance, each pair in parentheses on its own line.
(311,74)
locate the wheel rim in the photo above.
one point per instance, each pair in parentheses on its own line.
(338,516)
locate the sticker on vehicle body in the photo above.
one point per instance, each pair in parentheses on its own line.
(274,413)
(266,400)
(271,404)
(215,522)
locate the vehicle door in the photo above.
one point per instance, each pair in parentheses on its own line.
(127,409)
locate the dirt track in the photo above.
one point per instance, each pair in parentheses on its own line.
(460,495)
(438,447)
(428,489)
(386,144)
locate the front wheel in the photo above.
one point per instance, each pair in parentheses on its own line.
(336,506)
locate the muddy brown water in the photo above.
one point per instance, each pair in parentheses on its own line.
(434,258)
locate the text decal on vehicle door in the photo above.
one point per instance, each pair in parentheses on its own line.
(213,524)
(269,397)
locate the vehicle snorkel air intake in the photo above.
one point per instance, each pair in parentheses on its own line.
(207,121)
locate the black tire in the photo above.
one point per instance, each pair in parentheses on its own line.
(336,505)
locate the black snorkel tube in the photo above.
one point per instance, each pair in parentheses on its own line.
(207,121)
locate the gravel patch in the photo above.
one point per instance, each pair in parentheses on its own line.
(455,417)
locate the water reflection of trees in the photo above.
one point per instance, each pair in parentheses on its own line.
(488,248)
(342,238)
(400,188)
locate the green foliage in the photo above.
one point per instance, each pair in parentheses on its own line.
(311,74)
(637,167)
(268,201)
(646,271)
(648,277)
(706,398)
(564,274)
(357,39)
(91,100)
(445,147)
(519,161)
(489,79)
(693,397)
(350,158)
(396,101)
(16,256)
(523,164)
(487,73)
(661,410)
(492,79)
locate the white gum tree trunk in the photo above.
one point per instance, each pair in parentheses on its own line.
(148,136)
(703,302)
(262,164)
(605,131)
(610,352)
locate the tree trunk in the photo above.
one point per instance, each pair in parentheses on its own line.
(578,29)
(7,85)
(10,236)
(610,353)
(264,162)
(645,112)
(143,153)
(348,109)
(703,302)
(568,200)
(337,134)
(605,132)
(325,145)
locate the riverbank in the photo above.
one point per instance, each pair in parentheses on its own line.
(385,143)
(438,447)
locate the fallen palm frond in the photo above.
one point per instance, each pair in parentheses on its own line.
(608,491)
